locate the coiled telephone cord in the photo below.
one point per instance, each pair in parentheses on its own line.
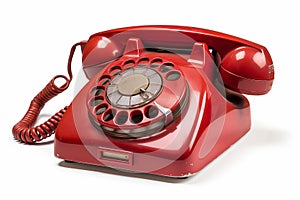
(24,131)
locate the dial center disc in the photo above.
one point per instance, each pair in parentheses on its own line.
(133,84)
(134,88)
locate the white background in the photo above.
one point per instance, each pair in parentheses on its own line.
(35,40)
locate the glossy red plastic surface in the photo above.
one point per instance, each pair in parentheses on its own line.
(211,121)
(246,70)
(181,149)
(255,70)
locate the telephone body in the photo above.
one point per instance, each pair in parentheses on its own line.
(164,100)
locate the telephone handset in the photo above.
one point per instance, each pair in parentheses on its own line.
(163,100)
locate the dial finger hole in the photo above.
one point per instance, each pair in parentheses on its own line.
(121,118)
(109,115)
(129,64)
(156,63)
(166,67)
(96,101)
(97,91)
(173,76)
(143,62)
(115,70)
(136,117)
(101,109)
(151,112)
(104,80)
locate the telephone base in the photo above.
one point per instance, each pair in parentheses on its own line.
(155,112)
(164,161)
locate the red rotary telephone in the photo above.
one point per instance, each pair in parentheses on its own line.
(163,100)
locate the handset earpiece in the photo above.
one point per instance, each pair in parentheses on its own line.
(247,70)
(97,53)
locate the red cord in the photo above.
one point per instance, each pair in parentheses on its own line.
(23,130)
